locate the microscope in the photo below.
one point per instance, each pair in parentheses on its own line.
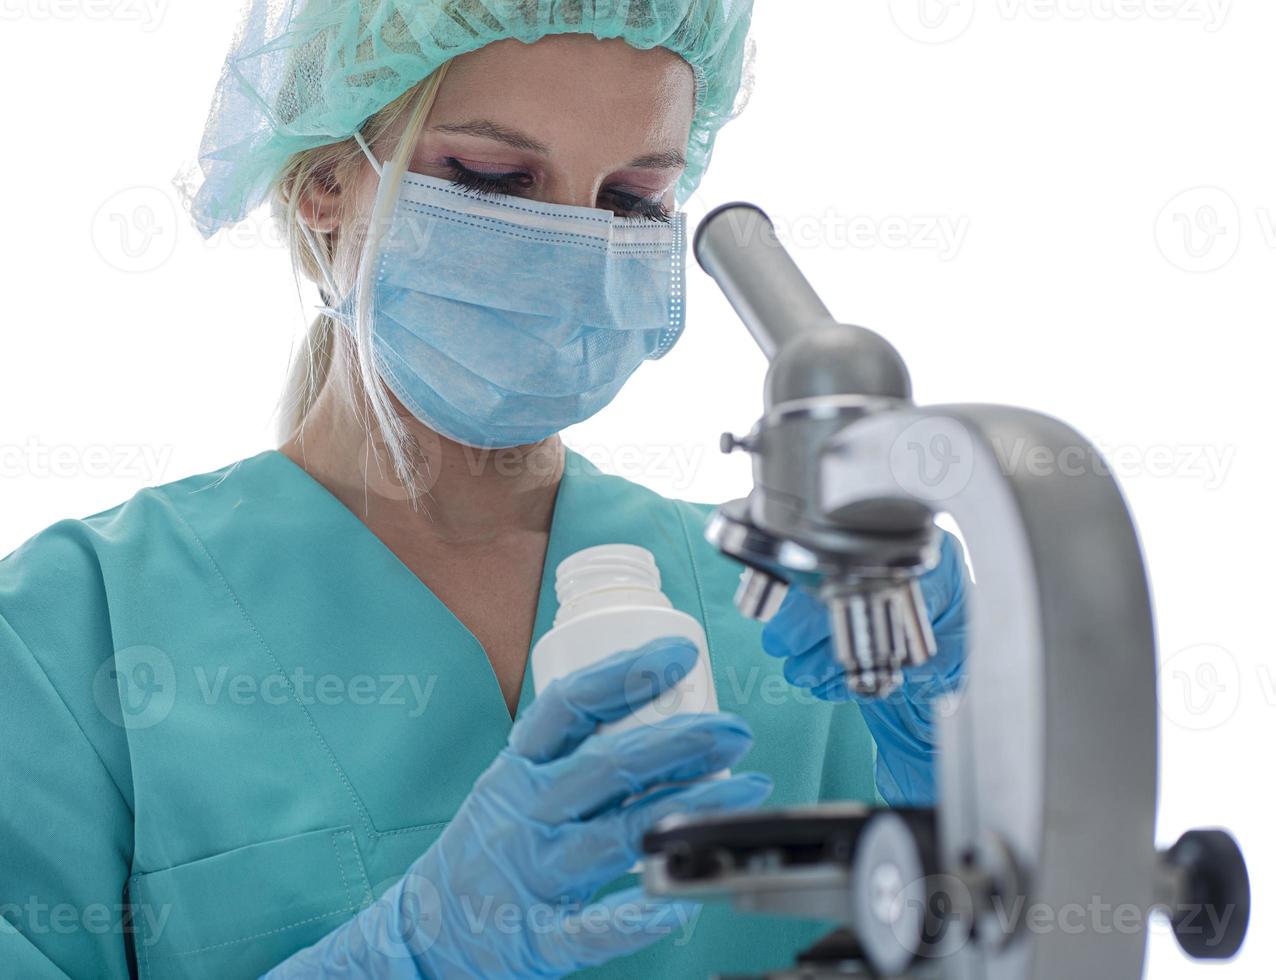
(1047,768)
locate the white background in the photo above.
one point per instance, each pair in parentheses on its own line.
(1102,171)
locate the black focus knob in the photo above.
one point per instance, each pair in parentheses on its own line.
(1211,914)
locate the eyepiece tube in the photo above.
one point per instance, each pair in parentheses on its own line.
(737,246)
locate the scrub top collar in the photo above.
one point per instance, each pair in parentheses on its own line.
(568,533)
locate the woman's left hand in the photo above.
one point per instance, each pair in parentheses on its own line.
(902,723)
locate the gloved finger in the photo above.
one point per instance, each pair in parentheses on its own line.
(608,769)
(944,585)
(800,624)
(570,709)
(802,620)
(615,838)
(834,690)
(617,925)
(814,668)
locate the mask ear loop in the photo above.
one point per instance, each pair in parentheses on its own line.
(312,242)
(367,152)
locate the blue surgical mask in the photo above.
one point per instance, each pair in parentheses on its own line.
(499,321)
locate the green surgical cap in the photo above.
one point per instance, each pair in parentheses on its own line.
(306,73)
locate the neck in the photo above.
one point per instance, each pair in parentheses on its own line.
(465,496)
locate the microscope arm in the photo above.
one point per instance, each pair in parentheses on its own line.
(1048,760)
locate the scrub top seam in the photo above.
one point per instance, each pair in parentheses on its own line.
(70,714)
(366,897)
(270,932)
(414,829)
(341,865)
(261,640)
(695,575)
(144,958)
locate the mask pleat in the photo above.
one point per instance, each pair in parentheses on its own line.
(496,318)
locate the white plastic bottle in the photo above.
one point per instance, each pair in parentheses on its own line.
(609,599)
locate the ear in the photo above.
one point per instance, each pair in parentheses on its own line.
(319,205)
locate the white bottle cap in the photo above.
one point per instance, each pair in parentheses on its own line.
(607,576)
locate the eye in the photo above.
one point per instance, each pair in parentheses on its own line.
(624,204)
(628,205)
(487,183)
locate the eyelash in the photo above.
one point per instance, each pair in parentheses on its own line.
(632,205)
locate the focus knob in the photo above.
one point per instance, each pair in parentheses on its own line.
(1210,913)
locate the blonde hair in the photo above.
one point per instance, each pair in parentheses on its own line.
(341,261)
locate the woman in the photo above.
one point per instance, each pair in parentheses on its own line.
(279,716)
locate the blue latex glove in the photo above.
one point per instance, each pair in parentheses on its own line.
(903,723)
(503,891)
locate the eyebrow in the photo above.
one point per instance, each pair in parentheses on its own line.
(487,129)
(495,131)
(664,160)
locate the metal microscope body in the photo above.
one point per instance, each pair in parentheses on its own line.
(1048,761)
(1049,756)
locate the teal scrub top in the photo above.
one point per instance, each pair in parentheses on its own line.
(230,716)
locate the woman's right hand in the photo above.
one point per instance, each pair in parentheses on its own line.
(503,891)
